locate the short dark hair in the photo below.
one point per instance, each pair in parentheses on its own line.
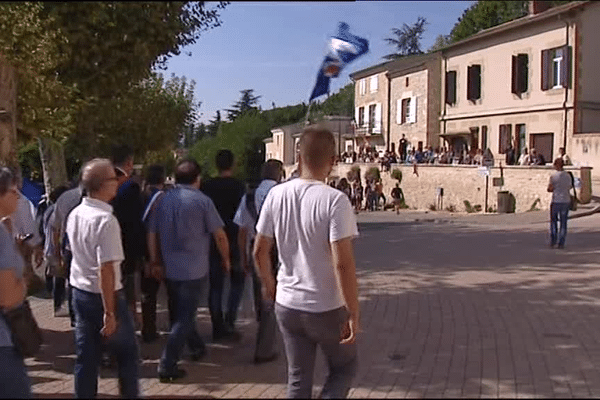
(272,169)
(7,179)
(155,174)
(187,171)
(224,160)
(55,194)
(120,154)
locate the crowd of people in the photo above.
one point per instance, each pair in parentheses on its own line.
(443,155)
(99,236)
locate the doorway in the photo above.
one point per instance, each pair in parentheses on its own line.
(543,143)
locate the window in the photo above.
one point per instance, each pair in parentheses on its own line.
(406,110)
(505,138)
(406,83)
(451,87)
(474,82)
(373,84)
(371,115)
(520,138)
(556,68)
(520,72)
(362,84)
(361,116)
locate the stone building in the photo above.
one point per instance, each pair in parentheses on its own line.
(398,97)
(531,82)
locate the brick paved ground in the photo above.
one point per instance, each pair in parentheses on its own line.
(459,309)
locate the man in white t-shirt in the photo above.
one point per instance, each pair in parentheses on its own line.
(316,293)
(560,186)
(99,303)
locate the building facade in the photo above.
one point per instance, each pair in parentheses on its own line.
(398,97)
(529,83)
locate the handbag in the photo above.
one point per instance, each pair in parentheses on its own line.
(25,333)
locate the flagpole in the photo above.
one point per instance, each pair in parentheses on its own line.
(307,113)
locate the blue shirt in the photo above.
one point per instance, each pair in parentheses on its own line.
(9,259)
(185,220)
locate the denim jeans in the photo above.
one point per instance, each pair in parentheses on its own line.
(302,332)
(185,297)
(215,297)
(14,382)
(558,212)
(89,320)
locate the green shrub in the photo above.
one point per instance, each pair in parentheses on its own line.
(534,206)
(468,206)
(397,175)
(451,208)
(353,174)
(432,207)
(373,174)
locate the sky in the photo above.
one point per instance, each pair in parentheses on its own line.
(276,48)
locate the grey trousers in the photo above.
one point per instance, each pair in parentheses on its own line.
(302,331)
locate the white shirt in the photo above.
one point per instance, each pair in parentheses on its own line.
(243,218)
(561,180)
(95,238)
(305,216)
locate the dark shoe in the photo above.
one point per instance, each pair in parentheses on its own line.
(198,355)
(150,337)
(262,360)
(552,245)
(560,246)
(227,336)
(170,378)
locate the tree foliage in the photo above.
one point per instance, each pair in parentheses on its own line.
(110,45)
(407,41)
(150,116)
(45,105)
(486,14)
(441,41)
(247,102)
(340,103)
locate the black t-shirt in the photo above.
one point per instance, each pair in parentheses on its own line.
(128,208)
(226,194)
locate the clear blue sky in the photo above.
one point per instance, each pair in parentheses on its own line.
(276,48)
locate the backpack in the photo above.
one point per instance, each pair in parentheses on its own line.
(65,250)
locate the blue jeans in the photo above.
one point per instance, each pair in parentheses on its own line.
(14,382)
(558,212)
(89,319)
(215,297)
(185,297)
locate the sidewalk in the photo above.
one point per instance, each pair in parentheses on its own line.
(530,217)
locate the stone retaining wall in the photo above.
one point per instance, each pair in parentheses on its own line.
(460,183)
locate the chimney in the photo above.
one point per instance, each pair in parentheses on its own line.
(538,6)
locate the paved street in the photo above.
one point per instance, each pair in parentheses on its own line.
(451,307)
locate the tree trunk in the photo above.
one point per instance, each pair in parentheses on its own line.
(53,163)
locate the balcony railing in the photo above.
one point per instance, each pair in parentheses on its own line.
(368,130)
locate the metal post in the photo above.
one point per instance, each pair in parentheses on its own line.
(487,180)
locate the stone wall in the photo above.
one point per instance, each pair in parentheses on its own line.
(462,182)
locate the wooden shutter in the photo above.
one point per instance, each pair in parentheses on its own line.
(565,67)
(477,81)
(377,122)
(399,111)
(373,84)
(545,69)
(357,116)
(413,109)
(515,75)
(523,72)
(451,87)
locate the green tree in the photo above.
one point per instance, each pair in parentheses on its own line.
(340,103)
(407,41)
(247,102)
(213,125)
(441,41)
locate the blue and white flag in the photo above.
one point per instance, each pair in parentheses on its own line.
(343,49)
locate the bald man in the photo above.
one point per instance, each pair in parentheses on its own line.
(313,226)
(99,302)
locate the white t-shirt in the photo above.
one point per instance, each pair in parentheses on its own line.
(95,238)
(304,217)
(561,180)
